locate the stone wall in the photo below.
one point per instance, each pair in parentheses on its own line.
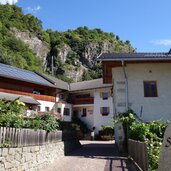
(30,158)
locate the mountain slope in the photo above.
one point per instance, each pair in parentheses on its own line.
(24,44)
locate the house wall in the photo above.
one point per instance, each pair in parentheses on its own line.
(66,118)
(94,118)
(99,119)
(147,108)
(89,118)
(44,104)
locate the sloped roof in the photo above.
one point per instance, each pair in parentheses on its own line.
(22,98)
(134,56)
(57,82)
(90,84)
(23,75)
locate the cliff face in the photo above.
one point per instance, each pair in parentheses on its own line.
(39,47)
(73,65)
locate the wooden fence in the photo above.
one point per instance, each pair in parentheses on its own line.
(138,151)
(13,137)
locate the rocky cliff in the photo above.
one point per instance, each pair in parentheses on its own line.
(33,40)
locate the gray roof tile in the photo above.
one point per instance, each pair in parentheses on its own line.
(90,84)
(23,75)
(134,56)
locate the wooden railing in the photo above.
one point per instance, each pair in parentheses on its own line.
(78,101)
(36,96)
(138,151)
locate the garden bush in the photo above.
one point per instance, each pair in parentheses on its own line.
(12,115)
(152,133)
(108,130)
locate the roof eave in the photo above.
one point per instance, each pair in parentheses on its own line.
(133,59)
(52,86)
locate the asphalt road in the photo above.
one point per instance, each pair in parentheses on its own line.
(93,156)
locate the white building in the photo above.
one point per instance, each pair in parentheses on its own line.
(141,81)
(90,100)
(92,103)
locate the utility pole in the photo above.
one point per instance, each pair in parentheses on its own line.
(52,66)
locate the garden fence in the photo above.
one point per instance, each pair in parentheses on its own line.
(17,137)
(138,151)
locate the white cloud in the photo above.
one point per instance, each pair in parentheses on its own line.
(34,9)
(164,42)
(8,2)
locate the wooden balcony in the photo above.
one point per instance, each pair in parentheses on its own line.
(80,101)
(35,96)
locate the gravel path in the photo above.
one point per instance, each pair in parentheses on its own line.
(93,156)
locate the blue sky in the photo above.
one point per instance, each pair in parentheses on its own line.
(146,23)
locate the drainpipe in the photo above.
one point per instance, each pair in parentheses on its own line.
(126,85)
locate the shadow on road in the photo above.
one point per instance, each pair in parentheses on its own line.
(107,151)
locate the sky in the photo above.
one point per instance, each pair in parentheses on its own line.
(145,23)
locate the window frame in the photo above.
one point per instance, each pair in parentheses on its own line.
(47,109)
(105,113)
(105,98)
(68,111)
(150,89)
(84,114)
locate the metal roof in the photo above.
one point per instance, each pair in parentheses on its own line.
(25,99)
(90,84)
(57,82)
(134,56)
(23,75)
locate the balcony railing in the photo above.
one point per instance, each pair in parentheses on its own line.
(79,101)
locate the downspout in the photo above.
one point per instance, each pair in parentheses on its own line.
(126,86)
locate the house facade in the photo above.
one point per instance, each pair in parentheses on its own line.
(92,103)
(141,82)
(37,92)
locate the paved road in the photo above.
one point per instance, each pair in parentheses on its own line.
(93,156)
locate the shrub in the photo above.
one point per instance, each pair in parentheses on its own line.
(11,113)
(46,122)
(152,133)
(108,130)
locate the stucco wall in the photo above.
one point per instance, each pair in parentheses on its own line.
(148,108)
(89,118)
(44,104)
(96,119)
(99,119)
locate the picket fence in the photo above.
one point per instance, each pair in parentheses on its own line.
(19,137)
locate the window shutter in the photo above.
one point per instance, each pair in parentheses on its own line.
(101,94)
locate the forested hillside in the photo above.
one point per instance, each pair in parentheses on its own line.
(24,44)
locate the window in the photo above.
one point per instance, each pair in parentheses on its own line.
(84,112)
(150,89)
(46,109)
(38,108)
(105,95)
(83,96)
(105,111)
(66,111)
(59,110)
(61,96)
(37,91)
